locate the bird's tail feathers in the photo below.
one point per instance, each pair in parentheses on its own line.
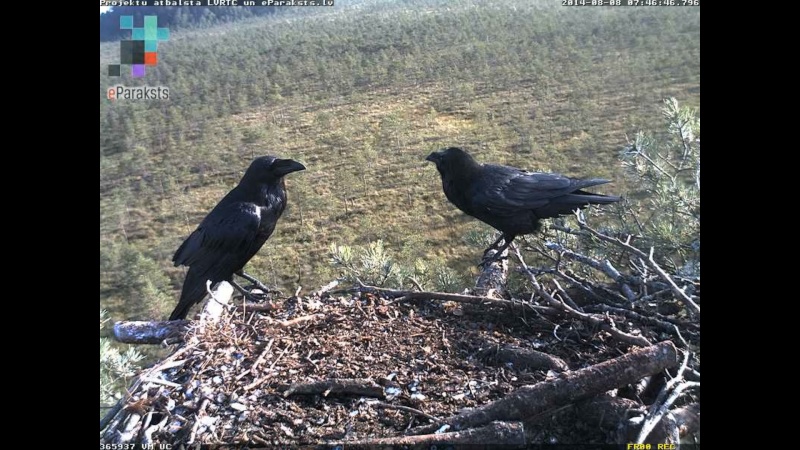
(181,311)
(193,292)
(584,198)
(580,184)
(566,204)
(581,197)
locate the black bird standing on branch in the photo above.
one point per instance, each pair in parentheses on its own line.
(234,230)
(509,199)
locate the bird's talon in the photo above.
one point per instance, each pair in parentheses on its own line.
(255,297)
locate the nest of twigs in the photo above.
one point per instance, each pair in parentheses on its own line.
(360,366)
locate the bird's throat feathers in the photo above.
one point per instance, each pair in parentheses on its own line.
(266,192)
(461,168)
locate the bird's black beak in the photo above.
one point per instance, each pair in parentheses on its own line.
(286,166)
(434,157)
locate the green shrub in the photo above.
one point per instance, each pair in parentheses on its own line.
(116,368)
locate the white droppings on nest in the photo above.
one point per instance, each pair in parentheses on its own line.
(392,392)
(238,407)
(417,397)
(208,422)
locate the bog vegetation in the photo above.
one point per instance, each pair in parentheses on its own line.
(360,95)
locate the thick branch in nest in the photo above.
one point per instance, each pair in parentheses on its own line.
(608,412)
(149,332)
(570,387)
(156,332)
(252,306)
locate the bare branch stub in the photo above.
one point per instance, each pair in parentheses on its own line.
(494,273)
(146,332)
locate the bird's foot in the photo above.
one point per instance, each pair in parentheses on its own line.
(258,296)
(253,293)
(258,284)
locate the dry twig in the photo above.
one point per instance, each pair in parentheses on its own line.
(690,304)
(624,337)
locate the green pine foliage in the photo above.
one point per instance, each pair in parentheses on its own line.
(138,278)
(116,368)
(661,212)
(667,216)
(374,265)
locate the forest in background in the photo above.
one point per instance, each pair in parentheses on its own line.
(360,95)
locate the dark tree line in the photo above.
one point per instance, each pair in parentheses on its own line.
(176,17)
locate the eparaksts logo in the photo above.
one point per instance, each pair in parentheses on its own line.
(120,92)
(141,50)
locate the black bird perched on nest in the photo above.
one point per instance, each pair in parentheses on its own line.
(509,199)
(234,230)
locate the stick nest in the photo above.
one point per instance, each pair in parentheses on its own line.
(318,370)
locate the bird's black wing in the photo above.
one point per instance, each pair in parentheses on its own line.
(228,230)
(220,246)
(507,191)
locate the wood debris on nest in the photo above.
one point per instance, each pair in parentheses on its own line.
(368,369)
